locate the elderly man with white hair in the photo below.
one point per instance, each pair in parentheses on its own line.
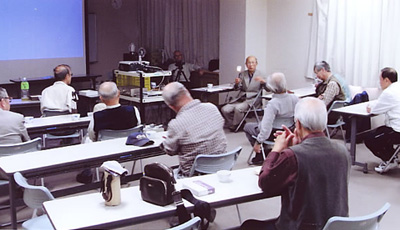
(114,116)
(12,125)
(308,170)
(278,111)
(197,128)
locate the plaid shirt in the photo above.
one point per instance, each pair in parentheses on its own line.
(197,129)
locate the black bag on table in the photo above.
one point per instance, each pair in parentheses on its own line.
(157,184)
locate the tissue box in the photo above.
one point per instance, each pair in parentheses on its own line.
(199,188)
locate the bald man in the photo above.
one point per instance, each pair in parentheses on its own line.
(197,128)
(60,96)
(114,116)
(249,82)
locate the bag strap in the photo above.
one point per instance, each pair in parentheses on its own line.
(202,209)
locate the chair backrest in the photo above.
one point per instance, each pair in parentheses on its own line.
(368,222)
(213,163)
(34,196)
(279,121)
(51,113)
(107,134)
(336,105)
(193,223)
(24,147)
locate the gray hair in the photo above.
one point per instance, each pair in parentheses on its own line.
(311,113)
(3,93)
(322,64)
(108,90)
(277,83)
(173,92)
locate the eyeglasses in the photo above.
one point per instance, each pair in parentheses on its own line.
(9,98)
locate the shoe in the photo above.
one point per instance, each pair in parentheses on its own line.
(386,166)
(257,160)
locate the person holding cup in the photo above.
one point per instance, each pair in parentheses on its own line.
(249,82)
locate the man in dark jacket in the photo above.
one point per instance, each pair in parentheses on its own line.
(309,171)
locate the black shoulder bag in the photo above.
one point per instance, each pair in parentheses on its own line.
(157,184)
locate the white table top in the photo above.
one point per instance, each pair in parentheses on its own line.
(359,109)
(215,88)
(300,92)
(54,121)
(70,154)
(19,101)
(89,211)
(144,100)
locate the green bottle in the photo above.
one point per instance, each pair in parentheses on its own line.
(24,89)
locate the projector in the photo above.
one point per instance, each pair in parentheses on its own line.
(132,65)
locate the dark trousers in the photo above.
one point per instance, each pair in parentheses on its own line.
(251,129)
(381,140)
(259,225)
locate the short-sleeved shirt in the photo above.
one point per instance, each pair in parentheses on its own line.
(59,97)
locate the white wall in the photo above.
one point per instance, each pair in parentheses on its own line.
(232,38)
(288,30)
(256,32)
(277,32)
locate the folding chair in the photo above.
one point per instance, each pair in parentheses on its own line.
(339,123)
(396,152)
(252,108)
(276,125)
(367,222)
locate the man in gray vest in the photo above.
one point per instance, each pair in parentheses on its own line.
(332,88)
(309,171)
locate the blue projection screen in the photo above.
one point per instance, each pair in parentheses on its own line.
(37,35)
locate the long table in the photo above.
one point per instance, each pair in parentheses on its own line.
(62,122)
(89,211)
(300,92)
(65,159)
(355,111)
(206,91)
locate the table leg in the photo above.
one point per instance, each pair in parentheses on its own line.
(353,138)
(13,213)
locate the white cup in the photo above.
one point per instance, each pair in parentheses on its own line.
(224,176)
(209,85)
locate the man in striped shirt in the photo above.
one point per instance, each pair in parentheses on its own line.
(197,128)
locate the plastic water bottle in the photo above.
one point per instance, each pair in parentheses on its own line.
(24,89)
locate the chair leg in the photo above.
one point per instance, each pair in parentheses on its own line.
(238,212)
(133,167)
(392,157)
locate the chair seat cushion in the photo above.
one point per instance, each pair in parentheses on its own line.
(40,223)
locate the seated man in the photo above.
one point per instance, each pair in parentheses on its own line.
(330,89)
(380,141)
(197,128)
(180,69)
(249,82)
(60,96)
(12,129)
(309,171)
(278,111)
(114,116)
